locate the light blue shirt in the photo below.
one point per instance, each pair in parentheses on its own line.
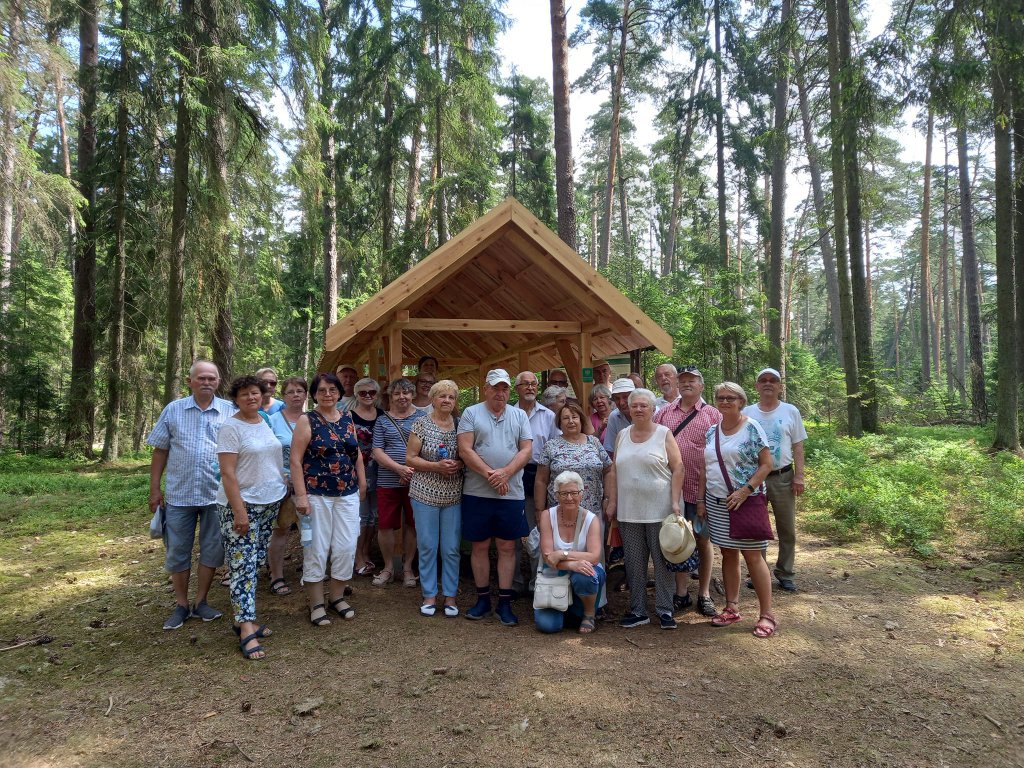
(189,435)
(283,432)
(542,425)
(616,423)
(275,406)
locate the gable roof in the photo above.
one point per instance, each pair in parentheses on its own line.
(503,292)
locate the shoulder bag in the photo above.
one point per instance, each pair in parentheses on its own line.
(750,519)
(555,592)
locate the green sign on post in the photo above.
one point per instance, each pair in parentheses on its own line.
(588,375)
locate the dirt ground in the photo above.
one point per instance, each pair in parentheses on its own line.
(879,660)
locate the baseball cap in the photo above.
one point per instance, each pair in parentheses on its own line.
(772,371)
(622,386)
(692,370)
(498,376)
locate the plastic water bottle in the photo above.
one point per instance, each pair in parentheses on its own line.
(442,452)
(305,530)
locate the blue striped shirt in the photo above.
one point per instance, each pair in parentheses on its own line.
(189,435)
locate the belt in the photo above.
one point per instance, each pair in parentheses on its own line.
(780,471)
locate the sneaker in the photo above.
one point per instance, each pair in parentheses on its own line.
(505,614)
(667,622)
(481,610)
(205,611)
(631,620)
(178,618)
(706,606)
(451,611)
(681,602)
(787,585)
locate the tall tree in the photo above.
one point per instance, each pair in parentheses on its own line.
(780,157)
(927,311)
(564,186)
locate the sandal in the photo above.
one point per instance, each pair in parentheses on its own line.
(321,620)
(256,652)
(383,577)
(410,580)
(726,617)
(366,569)
(428,609)
(588,625)
(280,587)
(343,609)
(263,631)
(764,630)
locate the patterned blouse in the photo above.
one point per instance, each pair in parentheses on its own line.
(329,463)
(433,488)
(739,454)
(589,460)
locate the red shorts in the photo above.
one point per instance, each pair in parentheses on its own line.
(390,504)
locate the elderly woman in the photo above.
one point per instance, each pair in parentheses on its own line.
(271,404)
(436,492)
(390,438)
(738,446)
(325,455)
(365,414)
(601,405)
(570,541)
(648,485)
(251,488)
(553,397)
(283,423)
(575,452)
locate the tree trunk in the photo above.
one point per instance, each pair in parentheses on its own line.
(728,345)
(927,312)
(1007,437)
(972,294)
(565,192)
(627,236)
(1018,241)
(780,153)
(81,393)
(387,151)
(858,268)
(618,77)
(8,157)
(115,364)
(947,349)
(851,370)
(179,205)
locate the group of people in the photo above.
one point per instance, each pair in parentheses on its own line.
(365,463)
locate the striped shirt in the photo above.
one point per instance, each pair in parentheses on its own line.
(388,438)
(189,435)
(690,439)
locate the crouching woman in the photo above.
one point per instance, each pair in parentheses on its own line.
(570,541)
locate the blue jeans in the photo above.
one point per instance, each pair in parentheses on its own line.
(548,620)
(438,532)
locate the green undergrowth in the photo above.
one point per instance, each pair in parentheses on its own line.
(925,488)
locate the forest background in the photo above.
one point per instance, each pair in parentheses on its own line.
(226,178)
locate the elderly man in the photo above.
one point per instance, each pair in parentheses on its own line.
(495,442)
(558,378)
(690,418)
(666,377)
(620,418)
(543,427)
(784,427)
(602,372)
(184,442)
(348,376)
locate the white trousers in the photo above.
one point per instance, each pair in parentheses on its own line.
(335,522)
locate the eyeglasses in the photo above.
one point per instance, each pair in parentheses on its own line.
(570,494)
(366,394)
(527,384)
(271,382)
(726,399)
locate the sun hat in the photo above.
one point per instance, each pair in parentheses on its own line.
(676,539)
(498,376)
(622,386)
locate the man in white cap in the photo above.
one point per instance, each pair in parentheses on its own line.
(690,418)
(620,418)
(784,427)
(495,442)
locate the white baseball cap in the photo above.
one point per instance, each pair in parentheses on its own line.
(772,371)
(498,376)
(622,386)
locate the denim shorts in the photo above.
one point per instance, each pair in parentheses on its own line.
(368,510)
(484,518)
(180,536)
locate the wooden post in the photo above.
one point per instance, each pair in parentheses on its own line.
(524,361)
(583,395)
(394,352)
(381,360)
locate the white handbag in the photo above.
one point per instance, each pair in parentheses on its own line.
(555,592)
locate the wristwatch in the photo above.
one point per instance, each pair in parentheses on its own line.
(748,485)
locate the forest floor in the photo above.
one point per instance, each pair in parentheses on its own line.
(880,659)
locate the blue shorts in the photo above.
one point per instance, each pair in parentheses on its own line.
(180,536)
(483,518)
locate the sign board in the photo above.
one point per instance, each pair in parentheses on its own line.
(588,375)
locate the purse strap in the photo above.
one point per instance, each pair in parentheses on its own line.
(721,462)
(401,433)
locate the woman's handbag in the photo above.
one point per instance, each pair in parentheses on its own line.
(750,519)
(555,592)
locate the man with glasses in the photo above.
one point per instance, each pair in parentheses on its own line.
(784,426)
(690,417)
(542,424)
(184,442)
(271,404)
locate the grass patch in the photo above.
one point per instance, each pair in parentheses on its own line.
(917,487)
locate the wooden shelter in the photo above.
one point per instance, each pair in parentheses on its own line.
(505,292)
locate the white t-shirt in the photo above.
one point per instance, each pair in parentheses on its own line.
(783,427)
(739,454)
(260,468)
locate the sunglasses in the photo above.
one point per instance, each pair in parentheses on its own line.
(367,394)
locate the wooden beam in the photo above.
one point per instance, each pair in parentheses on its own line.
(524,361)
(571,363)
(583,395)
(526,346)
(394,353)
(401,317)
(493,326)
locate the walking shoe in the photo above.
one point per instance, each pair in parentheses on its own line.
(706,606)
(205,611)
(481,610)
(180,616)
(681,602)
(505,614)
(631,620)
(667,622)
(787,584)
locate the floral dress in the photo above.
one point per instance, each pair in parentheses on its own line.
(589,460)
